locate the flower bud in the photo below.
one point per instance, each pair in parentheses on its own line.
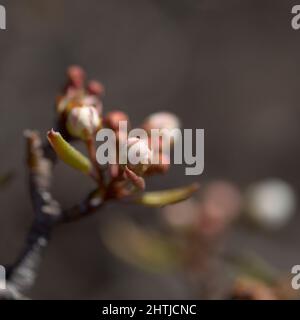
(95,88)
(76,76)
(92,101)
(138,151)
(82,122)
(163,120)
(112,119)
(220,206)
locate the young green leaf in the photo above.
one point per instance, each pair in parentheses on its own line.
(166,197)
(141,247)
(69,154)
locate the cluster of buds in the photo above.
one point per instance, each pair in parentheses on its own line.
(80,107)
(81,117)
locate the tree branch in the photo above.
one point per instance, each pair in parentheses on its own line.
(48,213)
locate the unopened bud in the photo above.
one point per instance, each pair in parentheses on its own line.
(93,101)
(95,88)
(163,120)
(112,119)
(82,122)
(220,206)
(139,155)
(76,76)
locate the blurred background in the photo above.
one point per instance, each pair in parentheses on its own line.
(230,67)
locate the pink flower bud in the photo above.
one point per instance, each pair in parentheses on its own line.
(112,119)
(76,76)
(139,148)
(92,101)
(220,205)
(163,120)
(95,88)
(82,122)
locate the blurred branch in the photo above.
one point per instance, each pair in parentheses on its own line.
(47,214)
(87,207)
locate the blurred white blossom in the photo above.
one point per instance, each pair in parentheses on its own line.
(271,203)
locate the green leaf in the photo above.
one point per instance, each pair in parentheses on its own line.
(69,154)
(141,247)
(253,266)
(166,197)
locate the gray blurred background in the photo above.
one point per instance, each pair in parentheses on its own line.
(230,67)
